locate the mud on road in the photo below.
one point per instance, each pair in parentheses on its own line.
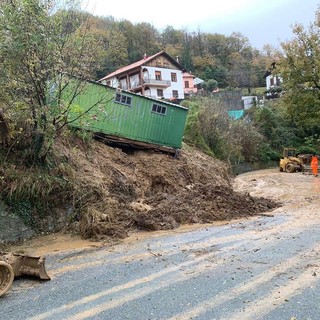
(260,267)
(298,196)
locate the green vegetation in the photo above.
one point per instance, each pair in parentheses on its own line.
(39,43)
(35,192)
(210,128)
(259,136)
(300,69)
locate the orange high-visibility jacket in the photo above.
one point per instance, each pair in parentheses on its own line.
(314,165)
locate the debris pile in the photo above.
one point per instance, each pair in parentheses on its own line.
(143,190)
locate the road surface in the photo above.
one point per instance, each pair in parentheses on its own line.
(258,268)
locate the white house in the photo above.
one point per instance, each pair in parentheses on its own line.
(158,76)
(273,80)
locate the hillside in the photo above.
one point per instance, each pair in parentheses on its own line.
(101,192)
(146,190)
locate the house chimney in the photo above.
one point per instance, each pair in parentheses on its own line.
(177,58)
(145,56)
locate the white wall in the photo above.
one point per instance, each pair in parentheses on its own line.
(166,76)
(113,82)
(275,80)
(249,101)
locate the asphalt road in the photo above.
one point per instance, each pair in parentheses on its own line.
(258,268)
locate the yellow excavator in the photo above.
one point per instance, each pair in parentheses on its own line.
(290,162)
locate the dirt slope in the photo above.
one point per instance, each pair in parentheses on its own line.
(146,190)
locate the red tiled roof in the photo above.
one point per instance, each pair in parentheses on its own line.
(137,64)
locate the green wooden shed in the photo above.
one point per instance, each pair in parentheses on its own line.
(127,118)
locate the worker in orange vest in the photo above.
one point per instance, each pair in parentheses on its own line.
(314,165)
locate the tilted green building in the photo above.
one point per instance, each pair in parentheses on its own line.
(126,118)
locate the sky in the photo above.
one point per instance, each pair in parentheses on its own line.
(261,21)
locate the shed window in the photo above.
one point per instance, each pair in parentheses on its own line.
(123,99)
(157,108)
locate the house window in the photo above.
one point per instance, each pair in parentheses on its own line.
(156,108)
(159,92)
(175,93)
(123,99)
(173,77)
(158,75)
(186,84)
(271,81)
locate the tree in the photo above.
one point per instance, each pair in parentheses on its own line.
(218,73)
(300,70)
(170,36)
(202,63)
(186,54)
(217,46)
(141,38)
(38,43)
(237,42)
(241,73)
(114,44)
(209,127)
(172,41)
(210,85)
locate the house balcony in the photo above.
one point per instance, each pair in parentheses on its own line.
(150,83)
(157,83)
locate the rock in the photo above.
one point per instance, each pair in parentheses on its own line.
(12,228)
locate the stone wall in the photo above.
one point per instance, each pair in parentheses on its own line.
(12,228)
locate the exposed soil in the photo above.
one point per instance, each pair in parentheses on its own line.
(145,190)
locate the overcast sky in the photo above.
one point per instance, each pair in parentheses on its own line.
(262,21)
